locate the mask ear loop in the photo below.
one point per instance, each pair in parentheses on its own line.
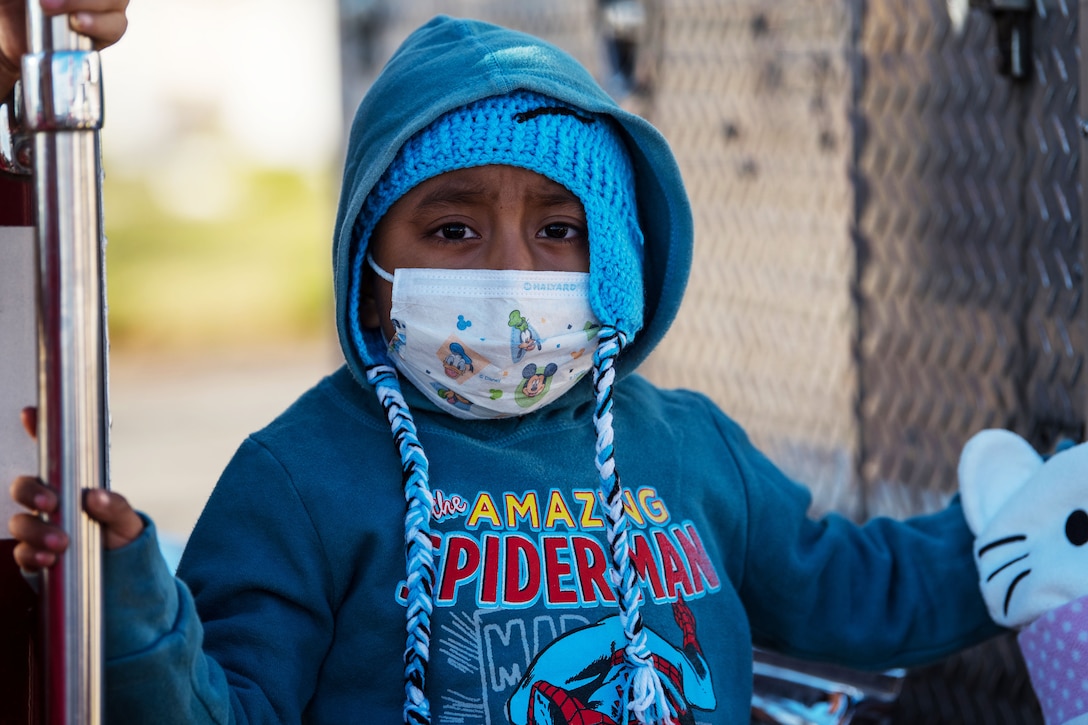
(644,687)
(388,277)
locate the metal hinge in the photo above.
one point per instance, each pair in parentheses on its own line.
(59,91)
(1012,23)
(15,143)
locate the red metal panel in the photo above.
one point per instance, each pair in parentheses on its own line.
(18,604)
(18,615)
(15,201)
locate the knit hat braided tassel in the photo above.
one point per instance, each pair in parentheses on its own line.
(645,689)
(417,542)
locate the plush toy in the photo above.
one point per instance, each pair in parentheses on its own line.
(1030,520)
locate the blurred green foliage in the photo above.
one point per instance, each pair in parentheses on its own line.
(258,272)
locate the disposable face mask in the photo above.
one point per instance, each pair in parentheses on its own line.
(488,343)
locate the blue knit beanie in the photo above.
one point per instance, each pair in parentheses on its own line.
(584,153)
(581,151)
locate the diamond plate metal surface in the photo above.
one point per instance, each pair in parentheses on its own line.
(940,287)
(969,284)
(1056,328)
(986,685)
(753,97)
(968,228)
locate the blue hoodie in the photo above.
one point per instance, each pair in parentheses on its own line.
(289,601)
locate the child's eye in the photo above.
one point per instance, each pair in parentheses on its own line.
(456,230)
(559,231)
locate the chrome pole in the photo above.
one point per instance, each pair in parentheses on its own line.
(62,103)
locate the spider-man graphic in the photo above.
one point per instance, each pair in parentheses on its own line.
(574,680)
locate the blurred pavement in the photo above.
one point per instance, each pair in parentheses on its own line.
(177,421)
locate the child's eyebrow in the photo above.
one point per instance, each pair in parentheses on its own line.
(556,197)
(453,193)
(460,193)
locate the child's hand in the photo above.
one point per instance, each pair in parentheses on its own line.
(102,20)
(41,543)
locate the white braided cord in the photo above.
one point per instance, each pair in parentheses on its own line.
(645,690)
(419,551)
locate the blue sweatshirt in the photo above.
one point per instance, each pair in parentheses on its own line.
(289,601)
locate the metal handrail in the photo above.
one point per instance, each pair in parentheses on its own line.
(62,109)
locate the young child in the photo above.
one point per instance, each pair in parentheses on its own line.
(485,516)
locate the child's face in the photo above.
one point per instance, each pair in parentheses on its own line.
(488,217)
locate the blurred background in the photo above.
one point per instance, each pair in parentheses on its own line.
(221,144)
(221,148)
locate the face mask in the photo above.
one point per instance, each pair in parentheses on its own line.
(488,343)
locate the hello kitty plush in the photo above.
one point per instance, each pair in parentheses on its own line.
(1030,521)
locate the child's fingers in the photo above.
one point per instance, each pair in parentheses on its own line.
(39,542)
(120,522)
(59,7)
(31,493)
(32,560)
(29,417)
(105,28)
(103,20)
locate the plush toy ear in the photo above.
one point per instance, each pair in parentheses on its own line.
(993,466)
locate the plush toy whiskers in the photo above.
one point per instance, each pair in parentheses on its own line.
(1030,520)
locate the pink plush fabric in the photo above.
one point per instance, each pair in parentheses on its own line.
(1055,647)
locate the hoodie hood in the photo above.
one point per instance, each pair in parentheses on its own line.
(449,63)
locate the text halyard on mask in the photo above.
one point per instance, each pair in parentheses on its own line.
(552,287)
